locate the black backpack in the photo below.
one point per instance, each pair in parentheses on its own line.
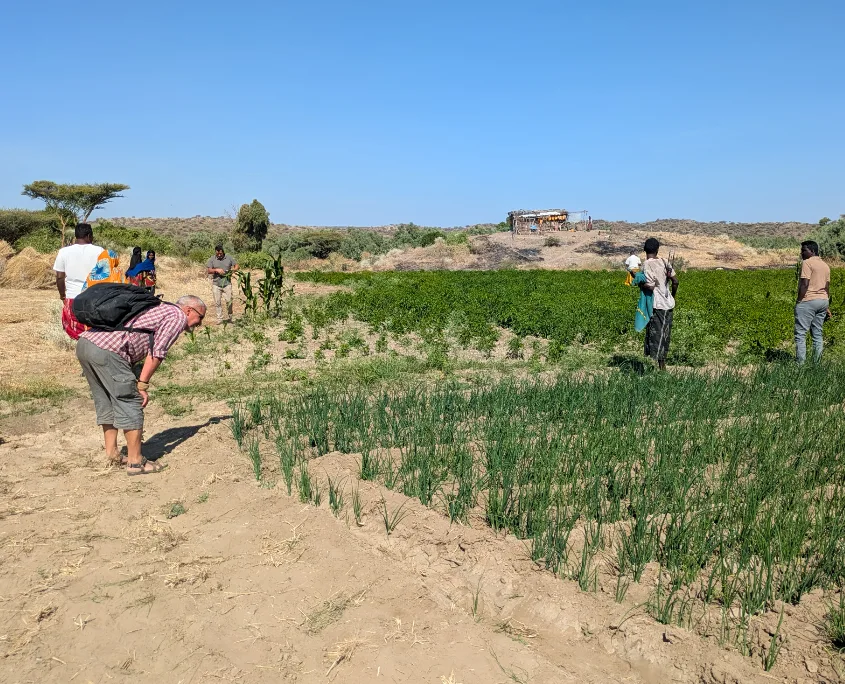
(110,306)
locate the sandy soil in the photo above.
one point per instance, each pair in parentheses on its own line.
(98,583)
(582,250)
(250,585)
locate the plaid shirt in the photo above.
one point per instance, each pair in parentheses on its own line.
(167,320)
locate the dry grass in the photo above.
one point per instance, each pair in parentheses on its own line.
(45,612)
(398,634)
(190,572)
(516,629)
(29,270)
(156,537)
(343,652)
(331,610)
(279,552)
(52,331)
(450,680)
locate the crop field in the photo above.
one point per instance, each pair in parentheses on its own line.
(731,482)
(745,313)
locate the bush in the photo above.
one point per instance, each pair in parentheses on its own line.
(552,241)
(770,242)
(824,220)
(43,240)
(457,237)
(831,239)
(356,242)
(251,227)
(253,259)
(18,223)
(112,236)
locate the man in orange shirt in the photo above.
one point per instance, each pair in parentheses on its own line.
(813,301)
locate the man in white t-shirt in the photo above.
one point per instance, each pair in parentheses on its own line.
(73,265)
(659,274)
(632,263)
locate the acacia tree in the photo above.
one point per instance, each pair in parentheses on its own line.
(73,203)
(251,227)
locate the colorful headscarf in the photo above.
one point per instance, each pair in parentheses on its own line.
(106,270)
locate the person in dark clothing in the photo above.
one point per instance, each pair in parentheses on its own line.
(144,273)
(136,258)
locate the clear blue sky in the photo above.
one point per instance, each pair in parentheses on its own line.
(441,113)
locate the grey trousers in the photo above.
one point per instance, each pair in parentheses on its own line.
(809,316)
(113,387)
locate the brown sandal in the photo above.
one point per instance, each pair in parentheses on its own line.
(139,468)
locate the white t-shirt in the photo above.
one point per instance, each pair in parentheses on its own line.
(632,262)
(655,274)
(76,262)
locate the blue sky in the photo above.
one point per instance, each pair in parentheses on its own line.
(441,113)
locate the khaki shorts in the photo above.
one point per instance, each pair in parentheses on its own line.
(113,387)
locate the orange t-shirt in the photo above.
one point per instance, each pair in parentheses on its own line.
(818,273)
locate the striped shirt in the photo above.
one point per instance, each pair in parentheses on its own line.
(167,321)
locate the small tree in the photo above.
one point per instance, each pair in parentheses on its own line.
(73,203)
(824,221)
(251,227)
(831,238)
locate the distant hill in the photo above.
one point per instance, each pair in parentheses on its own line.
(180,227)
(792,229)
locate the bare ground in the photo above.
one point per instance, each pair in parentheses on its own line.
(597,250)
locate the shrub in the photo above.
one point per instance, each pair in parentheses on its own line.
(251,227)
(356,242)
(770,242)
(831,238)
(457,237)
(113,236)
(253,259)
(552,241)
(18,223)
(824,220)
(43,240)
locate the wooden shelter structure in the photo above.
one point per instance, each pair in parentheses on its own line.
(540,221)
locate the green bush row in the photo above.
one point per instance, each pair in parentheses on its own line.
(750,312)
(15,224)
(40,231)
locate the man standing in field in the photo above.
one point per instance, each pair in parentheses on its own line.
(811,308)
(73,265)
(632,265)
(107,358)
(658,274)
(220,268)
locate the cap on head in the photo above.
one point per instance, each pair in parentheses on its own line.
(651,246)
(84,231)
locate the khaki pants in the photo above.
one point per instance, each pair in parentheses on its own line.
(222,294)
(113,387)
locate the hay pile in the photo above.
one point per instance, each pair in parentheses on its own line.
(28,270)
